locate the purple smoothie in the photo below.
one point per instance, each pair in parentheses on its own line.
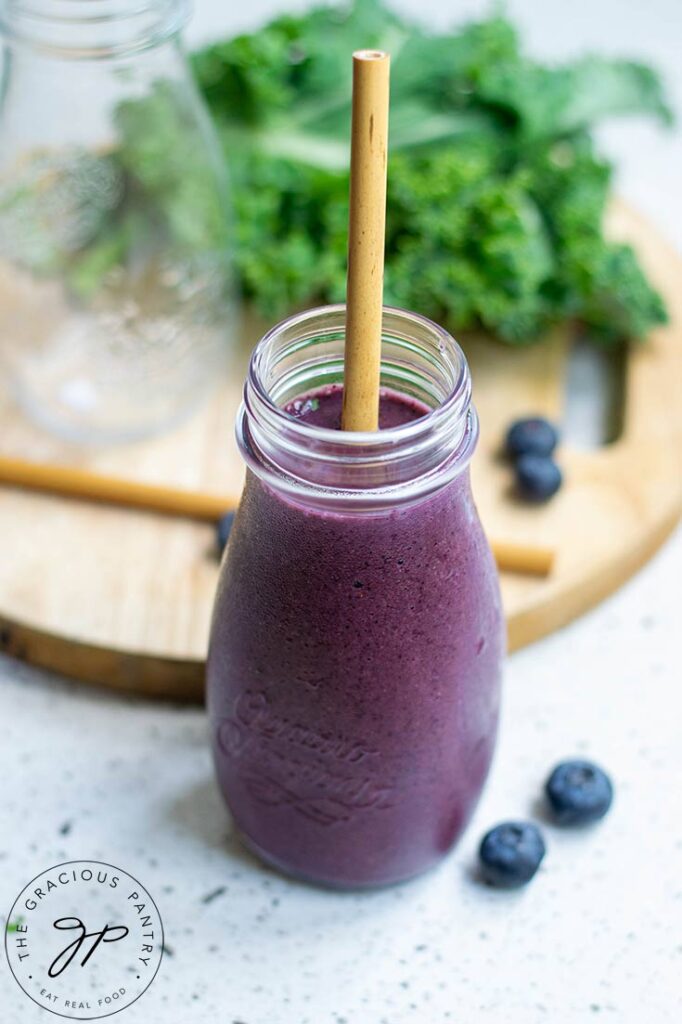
(353,674)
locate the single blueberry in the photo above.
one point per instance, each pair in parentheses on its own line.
(511,853)
(533,435)
(223,530)
(578,792)
(537,477)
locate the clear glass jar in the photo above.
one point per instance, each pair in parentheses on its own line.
(115,295)
(357,637)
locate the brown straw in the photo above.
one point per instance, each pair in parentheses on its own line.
(366,235)
(82,483)
(72,482)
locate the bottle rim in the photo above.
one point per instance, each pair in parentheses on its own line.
(364,469)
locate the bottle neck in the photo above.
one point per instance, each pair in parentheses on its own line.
(349,471)
(91,29)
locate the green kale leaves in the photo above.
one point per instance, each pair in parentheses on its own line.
(496,194)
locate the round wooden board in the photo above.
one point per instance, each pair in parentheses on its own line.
(124,598)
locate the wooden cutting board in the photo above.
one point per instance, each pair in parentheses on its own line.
(124,598)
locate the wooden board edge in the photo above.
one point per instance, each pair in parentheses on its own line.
(143,675)
(551,614)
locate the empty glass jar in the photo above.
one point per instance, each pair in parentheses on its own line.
(115,296)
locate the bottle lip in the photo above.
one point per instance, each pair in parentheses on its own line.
(460,393)
(359,468)
(91,29)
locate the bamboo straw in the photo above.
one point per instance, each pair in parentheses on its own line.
(71,482)
(366,235)
(82,483)
(531,559)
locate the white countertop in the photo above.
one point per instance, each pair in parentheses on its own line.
(598,933)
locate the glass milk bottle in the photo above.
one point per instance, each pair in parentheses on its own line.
(115,307)
(357,637)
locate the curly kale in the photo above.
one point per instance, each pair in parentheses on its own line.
(496,194)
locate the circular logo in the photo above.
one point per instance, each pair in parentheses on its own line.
(84,939)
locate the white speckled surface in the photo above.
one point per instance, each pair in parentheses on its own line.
(598,934)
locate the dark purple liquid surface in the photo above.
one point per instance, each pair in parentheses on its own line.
(353,675)
(323,408)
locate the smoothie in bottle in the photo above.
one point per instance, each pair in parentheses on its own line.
(357,637)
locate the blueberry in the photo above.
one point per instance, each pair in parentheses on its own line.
(511,853)
(531,436)
(537,477)
(578,792)
(223,530)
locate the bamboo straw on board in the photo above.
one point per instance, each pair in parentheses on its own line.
(72,482)
(366,237)
(531,559)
